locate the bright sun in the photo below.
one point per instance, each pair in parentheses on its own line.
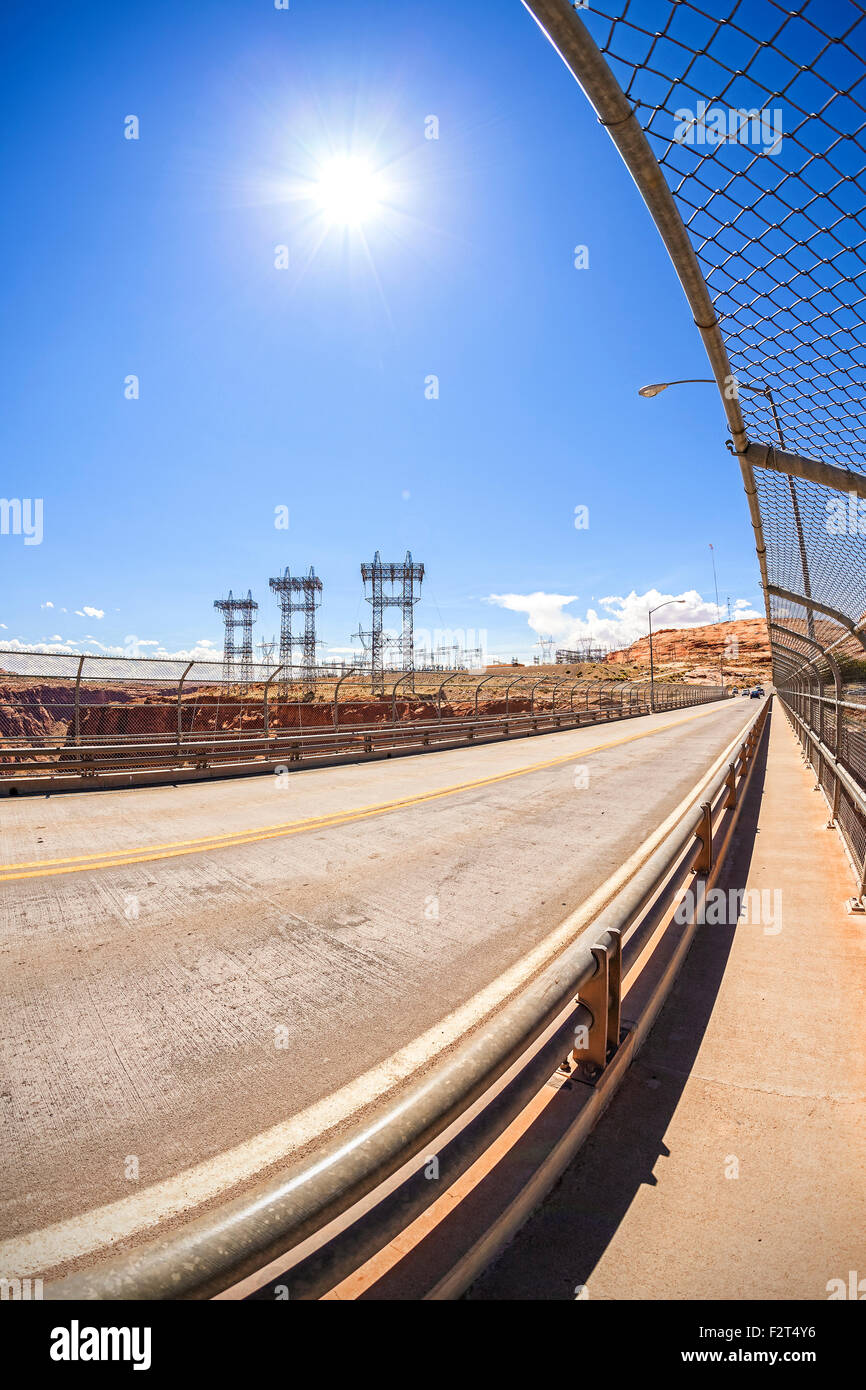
(349,190)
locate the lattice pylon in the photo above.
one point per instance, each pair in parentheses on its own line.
(403,581)
(237,614)
(297,594)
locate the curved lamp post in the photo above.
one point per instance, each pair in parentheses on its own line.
(666,603)
(656,388)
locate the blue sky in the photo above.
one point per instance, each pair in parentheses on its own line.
(263,387)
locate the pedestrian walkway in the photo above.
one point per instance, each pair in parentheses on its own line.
(731,1162)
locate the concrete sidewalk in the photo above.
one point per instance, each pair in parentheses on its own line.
(730,1165)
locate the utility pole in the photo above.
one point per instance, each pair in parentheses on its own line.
(715,580)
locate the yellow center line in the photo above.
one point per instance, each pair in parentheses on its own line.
(107,859)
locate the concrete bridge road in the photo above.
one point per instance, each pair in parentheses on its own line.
(200,980)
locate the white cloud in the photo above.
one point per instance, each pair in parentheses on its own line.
(47,604)
(94,612)
(132,647)
(623,619)
(4,627)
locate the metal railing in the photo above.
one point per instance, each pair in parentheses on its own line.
(832,734)
(580,989)
(134,724)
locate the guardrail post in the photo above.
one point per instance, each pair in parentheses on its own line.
(603,997)
(731,784)
(704,861)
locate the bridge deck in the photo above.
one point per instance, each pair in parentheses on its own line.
(756,1066)
(208,979)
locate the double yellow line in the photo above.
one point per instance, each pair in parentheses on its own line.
(81,863)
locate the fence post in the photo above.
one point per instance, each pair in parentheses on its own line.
(77,715)
(350,672)
(837,792)
(179,694)
(266,696)
(397,682)
(478,688)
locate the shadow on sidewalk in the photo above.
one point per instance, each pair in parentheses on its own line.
(559,1247)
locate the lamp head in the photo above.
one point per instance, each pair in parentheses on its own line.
(655,390)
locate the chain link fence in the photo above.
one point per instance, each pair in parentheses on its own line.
(66,712)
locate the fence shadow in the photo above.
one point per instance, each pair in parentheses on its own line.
(557,1250)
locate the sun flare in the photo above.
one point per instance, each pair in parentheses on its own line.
(349,190)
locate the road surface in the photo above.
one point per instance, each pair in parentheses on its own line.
(199,980)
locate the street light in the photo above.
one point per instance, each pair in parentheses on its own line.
(666,604)
(657,387)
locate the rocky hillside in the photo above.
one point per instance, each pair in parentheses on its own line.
(695,653)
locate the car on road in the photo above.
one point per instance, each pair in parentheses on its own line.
(756,693)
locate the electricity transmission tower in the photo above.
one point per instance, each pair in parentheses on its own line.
(391,585)
(237,613)
(297,595)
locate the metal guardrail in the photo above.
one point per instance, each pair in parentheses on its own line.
(581,987)
(35,767)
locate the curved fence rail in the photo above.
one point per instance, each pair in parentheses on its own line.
(743,127)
